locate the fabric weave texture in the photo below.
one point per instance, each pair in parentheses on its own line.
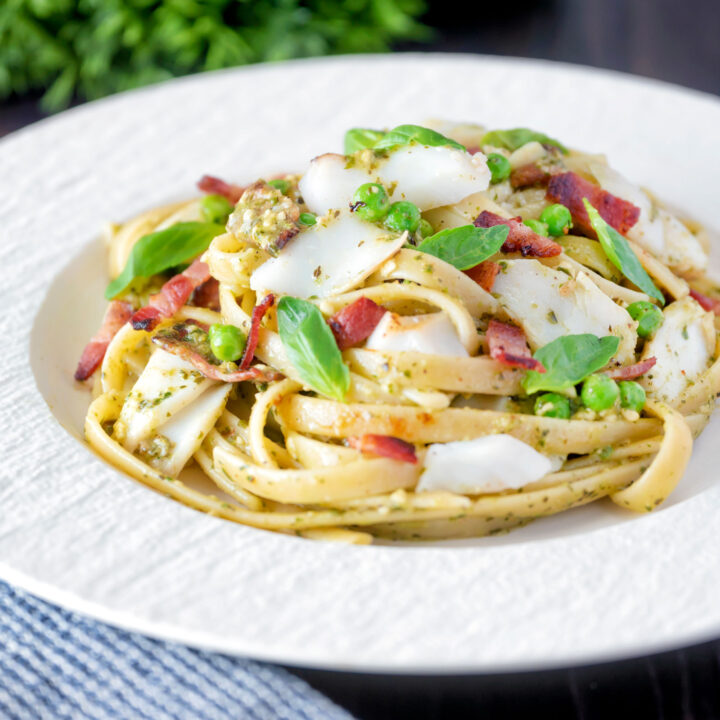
(56,664)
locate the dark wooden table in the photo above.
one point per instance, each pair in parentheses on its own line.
(683,684)
(673,40)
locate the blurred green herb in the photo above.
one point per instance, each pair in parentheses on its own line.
(91,48)
(517,137)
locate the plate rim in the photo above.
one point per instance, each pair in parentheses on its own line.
(204,642)
(623,75)
(173,633)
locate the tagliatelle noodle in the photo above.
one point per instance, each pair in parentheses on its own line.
(281,453)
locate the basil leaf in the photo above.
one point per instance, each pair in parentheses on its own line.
(361,138)
(569,360)
(466,246)
(162,250)
(517,137)
(620,253)
(311,347)
(406,134)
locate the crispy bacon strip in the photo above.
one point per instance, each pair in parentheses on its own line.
(207,295)
(508,346)
(257,315)
(172,296)
(630,372)
(117,314)
(520,237)
(706,303)
(355,323)
(146,318)
(185,351)
(528,175)
(484,274)
(384,446)
(570,189)
(215,186)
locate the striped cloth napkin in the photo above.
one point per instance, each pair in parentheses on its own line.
(56,664)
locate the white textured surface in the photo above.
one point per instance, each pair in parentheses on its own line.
(595,583)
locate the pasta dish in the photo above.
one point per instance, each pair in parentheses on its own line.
(444,331)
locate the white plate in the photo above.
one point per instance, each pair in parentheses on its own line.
(592,584)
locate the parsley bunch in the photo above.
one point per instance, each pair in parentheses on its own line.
(91,48)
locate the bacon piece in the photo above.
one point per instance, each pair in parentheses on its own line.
(706,303)
(117,314)
(528,175)
(172,296)
(570,189)
(257,315)
(384,446)
(484,274)
(215,186)
(520,237)
(508,346)
(355,323)
(629,372)
(207,295)
(146,318)
(198,272)
(184,350)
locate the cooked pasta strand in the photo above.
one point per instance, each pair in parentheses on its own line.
(665,471)
(324,417)
(469,411)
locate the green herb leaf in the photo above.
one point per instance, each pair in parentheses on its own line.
(517,137)
(162,250)
(620,253)
(466,246)
(569,360)
(311,347)
(406,134)
(361,138)
(98,47)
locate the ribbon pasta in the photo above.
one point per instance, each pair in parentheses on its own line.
(284,457)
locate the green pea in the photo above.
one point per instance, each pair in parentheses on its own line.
(632,395)
(403,216)
(282,185)
(226,342)
(540,228)
(599,392)
(558,219)
(371,202)
(308,218)
(499,167)
(425,229)
(649,317)
(552,405)
(215,208)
